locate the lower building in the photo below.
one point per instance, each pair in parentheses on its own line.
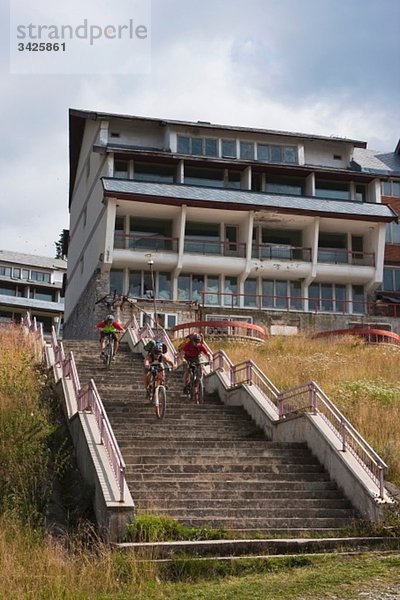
(32,283)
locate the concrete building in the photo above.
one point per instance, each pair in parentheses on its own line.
(272,227)
(32,283)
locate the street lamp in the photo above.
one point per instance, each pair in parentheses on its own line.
(150,262)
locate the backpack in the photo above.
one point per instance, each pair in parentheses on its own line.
(149,346)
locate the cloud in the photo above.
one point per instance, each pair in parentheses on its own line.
(306,67)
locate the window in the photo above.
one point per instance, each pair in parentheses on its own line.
(391,279)
(229,148)
(8,289)
(393,233)
(199,288)
(281,294)
(250,292)
(150,234)
(116,281)
(212,286)
(285,185)
(332,190)
(17,273)
(358,299)
(206,177)
(361,193)
(197,146)
(230,291)
(154,172)
(141,285)
(202,238)
(39,294)
(391,188)
(121,169)
(275,153)
(327,297)
(332,248)
(40,276)
(183,144)
(5,271)
(247,150)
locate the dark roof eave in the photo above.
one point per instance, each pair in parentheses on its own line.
(156,199)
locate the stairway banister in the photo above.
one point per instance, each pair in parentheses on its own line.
(350,438)
(107,436)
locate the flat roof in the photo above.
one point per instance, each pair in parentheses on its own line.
(42,262)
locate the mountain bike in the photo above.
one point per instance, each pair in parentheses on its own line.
(108,351)
(156,390)
(196,386)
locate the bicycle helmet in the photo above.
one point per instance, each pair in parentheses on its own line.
(196,337)
(158,349)
(109,318)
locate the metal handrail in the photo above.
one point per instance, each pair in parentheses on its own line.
(89,397)
(310,397)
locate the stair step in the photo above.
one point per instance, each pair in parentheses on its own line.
(209,465)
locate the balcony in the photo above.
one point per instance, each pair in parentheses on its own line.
(146,242)
(341,256)
(280,252)
(195,245)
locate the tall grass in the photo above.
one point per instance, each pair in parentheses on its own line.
(363,380)
(24,428)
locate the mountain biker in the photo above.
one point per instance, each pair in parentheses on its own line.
(109,325)
(191,351)
(155,354)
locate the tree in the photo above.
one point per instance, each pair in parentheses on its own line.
(62,245)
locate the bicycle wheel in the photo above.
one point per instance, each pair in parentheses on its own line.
(109,353)
(198,392)
(161,401)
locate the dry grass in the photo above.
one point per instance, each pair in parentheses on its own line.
(363,380)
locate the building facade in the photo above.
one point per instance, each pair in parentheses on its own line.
(32,283)
(272,227)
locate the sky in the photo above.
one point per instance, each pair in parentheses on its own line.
(324,67)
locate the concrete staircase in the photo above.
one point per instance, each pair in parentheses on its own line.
(210,466)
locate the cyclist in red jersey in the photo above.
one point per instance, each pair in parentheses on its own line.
(191,353)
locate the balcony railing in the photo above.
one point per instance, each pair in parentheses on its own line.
(287,303)
(339,256)
(145,242)
(280,252)
(196,245)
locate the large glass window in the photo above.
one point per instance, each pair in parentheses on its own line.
(121,169)
(281,294)
(391,279)
(202,238)
(229,148)
(5,271)
(184,286)
(116,281)
(358,299)
(332,190)
(285,185)
(391,188)
(197,146)
(40,276)
(247,150)
(164,286)
(150,234)
(207,177)
(332,248)
(154,172)
(393,233)
(212,289)
(327,297)
(250,292)
(230,291)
